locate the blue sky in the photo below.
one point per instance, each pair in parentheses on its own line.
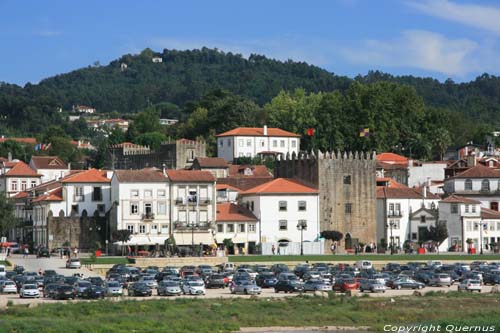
(443,39)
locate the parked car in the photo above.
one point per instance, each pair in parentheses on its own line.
(363,264)
(80,287)
(193,288)
(73,263)
(140,289)
(8,287)
(93,292)
(440,279)
(215,281)
(470,285)
(288,286)
(96,281)
(113,288)
(64,291)
(44,252)
(492,278)
(168,288)
(317,285)
(29,290)
(248,287)
(406,283)
(49,290)
(3,272)
(149,280)
(372,285)
(343,285)
(266,280)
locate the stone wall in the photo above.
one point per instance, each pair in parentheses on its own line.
(342,179)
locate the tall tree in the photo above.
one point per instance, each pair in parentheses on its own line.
(7,217)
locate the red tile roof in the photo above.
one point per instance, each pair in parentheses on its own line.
(256,171)
(479,171)
(228,212)
(190,176)
(392,158)
(87,176)
(458,199)
(391,183)
(227,187)
(403,192)
(212,162)
(48,162)
(140,176)
(281,186)
(391,166)
(21,169)
(257,131)
(490,214)
(55,195)
(21,195)
(30,141)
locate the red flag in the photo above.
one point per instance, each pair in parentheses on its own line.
(310,131)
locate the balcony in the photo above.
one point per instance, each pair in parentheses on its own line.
(205,201)
(395,213)
(185,226)
(192,202)
(148,217)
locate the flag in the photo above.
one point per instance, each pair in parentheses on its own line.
(364,132)
(310,131)
(38,146)
(48,146)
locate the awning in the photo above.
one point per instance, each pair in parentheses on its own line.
(144,240)
(186,238)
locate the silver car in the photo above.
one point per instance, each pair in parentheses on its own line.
(440,279)
(317,285)
(246,287)
(150,281)
(74,263)
(373,285)
(29,290)
(193,288)
(169,288)
(8,287)
(80,287)
(470,285)
(113,288)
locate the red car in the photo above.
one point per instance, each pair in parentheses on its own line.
(343,285)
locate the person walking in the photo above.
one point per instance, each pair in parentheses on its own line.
(75,252)
(279,250)
(25,252)
(8,251)
(273,249)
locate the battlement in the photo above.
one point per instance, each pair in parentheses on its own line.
(329,156)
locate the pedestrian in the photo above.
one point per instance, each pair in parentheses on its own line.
(129,250)
(26,252)
(61,252)
(332,248)
(75,252)
(8,251)
(273,249)
(278,250)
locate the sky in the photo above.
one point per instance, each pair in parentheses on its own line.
(443,39)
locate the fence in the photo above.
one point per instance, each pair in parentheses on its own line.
(293,248)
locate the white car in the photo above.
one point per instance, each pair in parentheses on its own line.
(74,263)
(193,288)
(363,264)
(8,287)
(113,288)
(29,290)
(470,285)
(2,270)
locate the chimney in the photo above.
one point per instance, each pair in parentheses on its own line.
(164,169)
(424,192)
(471,161)
(9,156)
(265,130)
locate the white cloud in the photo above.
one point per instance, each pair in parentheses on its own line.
(482,17)
(418,49)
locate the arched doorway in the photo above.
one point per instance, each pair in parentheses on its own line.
(348,241)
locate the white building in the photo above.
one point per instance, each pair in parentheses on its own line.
(256,141)
(281,205)
(16,176)
(424,173)
(50,167)
(143,198)
(217,166)
(227,193)
(193,206)
(238,224)
(83,109)
(157,60)
(404,213)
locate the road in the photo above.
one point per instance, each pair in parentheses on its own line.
(32,264)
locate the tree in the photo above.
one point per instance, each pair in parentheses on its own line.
(437,233)
(151,139)
(228,243)
(332,235)
(7,217)
(122,235)
(441,141)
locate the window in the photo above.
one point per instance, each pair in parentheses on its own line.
(282,143)
(241,227)
(240,142)
(24,184)
(130,228)
(164,228)
(134,193)
(33,183)
(101,208)
(473,208)
(220,228)
(148,208)
(230,228)
(162,208)
(134,208)
(203,216)
(161,193)
(485,185)
(302,206)
(248,154)
(467,208)
(348,208)
(454,208)
(79,194)
(148,193)
(275,143)
(283,225)
(249,143)
(347,180)
(498,227)
(394,224)
(282,206)
(251,227)
(97,194)
(262,143)
(251,205)
(154,228)
(397,211)
(182,216)
(74,208)
(422,219)
(142,229)
(229,142)
(414,236)
(476,226)
(492,226)
(468,226)
(391,209)
(241,155)
(294,144)
(468,185)
(221,143)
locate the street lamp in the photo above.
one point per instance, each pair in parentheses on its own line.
(193,225)
(482,225)
(302,225)
(391,225)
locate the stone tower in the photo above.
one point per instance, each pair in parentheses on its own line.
(347,186)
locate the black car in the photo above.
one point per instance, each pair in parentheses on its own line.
(215,281)
(96,281)
(266,280)
(44,252)
(139,289)
(50,289)
(288,286)
(18,269)
(49,273)
(93,292)
(64,292)
(492,278)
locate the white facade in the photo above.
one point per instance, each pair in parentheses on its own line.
(12,185)
(89,197)
(240,232)
(485,190)
(279,216)
(421,173)
(463,221)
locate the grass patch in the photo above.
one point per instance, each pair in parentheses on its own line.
(5,262)
(106,261)
(371,257)
(226,315)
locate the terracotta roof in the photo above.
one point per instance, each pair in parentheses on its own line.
(391,182)
(458,199)
(22,169)
(391,166)
(30,141)
(212,162)
(281,185)
(490,214)
(21,195)
(257,131)
(228,212)
(48,162)
(55,195)
(391,158)
(479,171)
(257,171)
(227,187)
(140,176)
(190,176)
(403,192)
(87,176)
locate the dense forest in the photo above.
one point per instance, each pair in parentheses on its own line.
(211,91)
